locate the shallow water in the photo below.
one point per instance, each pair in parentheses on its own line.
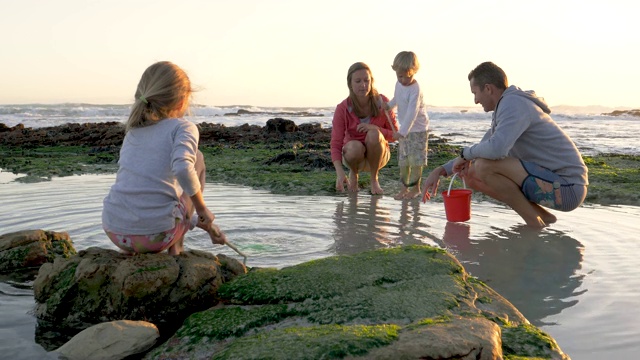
(576,279)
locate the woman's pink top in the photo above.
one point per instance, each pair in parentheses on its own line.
(345,127)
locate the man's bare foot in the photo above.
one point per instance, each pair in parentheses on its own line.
(536,223)
(549,219)
(546,216)
(375,188)
(353,181)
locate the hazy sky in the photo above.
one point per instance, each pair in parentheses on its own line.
(297,52)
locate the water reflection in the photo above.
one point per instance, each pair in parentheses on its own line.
(361,225)
(368,223)
(537,271)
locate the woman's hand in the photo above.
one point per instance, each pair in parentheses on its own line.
(366,127)
(340,181)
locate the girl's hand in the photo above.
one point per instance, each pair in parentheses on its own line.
(205,219)
(216,235)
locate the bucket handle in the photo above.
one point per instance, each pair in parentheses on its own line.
(451,183)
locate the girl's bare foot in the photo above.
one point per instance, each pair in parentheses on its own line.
(176,248)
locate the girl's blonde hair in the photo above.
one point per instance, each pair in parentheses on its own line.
(406,61)
(163,92)
(374,98)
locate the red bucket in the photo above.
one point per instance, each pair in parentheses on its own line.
(457,203)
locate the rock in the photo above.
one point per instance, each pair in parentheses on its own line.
(457,338)
(28,249)
(71,134)
(110,341)
(99,285)
(404,302)
(281,125)
(634,112)
(108,136)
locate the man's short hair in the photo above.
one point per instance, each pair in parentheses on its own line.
(489,73)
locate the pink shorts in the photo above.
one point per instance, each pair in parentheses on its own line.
(153,243)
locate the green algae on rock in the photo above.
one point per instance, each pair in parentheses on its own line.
(28,249)
(412,300)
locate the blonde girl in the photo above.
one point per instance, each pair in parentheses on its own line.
(161,172)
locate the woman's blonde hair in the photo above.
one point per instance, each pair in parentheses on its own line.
(406,61)
(374,98)
(163,92)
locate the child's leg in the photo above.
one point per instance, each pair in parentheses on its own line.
(414,182)
(404,168)
(178,246)
(405,172)
(202,175)
(417,159)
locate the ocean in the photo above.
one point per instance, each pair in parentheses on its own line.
(592,131)
(575,280)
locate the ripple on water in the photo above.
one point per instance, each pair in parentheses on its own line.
(575,279)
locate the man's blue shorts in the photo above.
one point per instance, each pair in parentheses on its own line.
(543,186)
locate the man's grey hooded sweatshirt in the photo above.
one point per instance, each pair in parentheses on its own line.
(522,128)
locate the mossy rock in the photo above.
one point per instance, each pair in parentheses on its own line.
(27,250)
(411,300)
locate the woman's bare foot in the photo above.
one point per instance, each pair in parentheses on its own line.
(353,181)
(375,188)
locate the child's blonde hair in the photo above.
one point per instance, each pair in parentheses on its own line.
(163,91)
(406,61)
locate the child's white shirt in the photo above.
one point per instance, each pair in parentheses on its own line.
(412,110)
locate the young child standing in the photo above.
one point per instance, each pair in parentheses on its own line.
(161,172)
(414,124)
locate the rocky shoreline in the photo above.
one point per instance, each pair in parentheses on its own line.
(403,302)
(634,112)
(280,157)
(110,134)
